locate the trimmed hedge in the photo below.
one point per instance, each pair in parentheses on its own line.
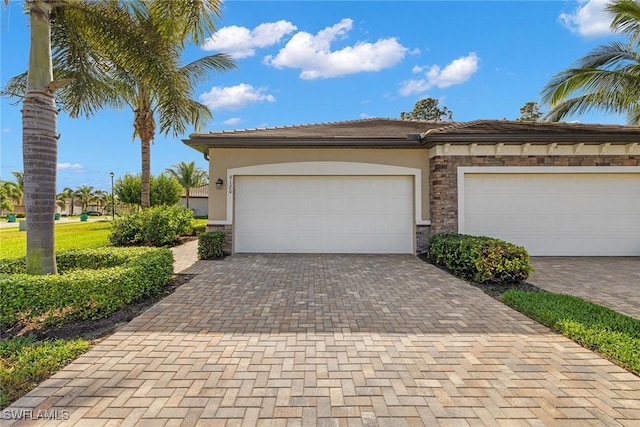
(93,284)
(211,244)
(478,258)
(157,226)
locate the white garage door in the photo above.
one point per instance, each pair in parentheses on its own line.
(324,214)
(596,214)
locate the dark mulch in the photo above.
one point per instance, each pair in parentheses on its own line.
(494,290)
(95,329)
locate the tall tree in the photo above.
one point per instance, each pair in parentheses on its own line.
(530,112)
(188,175)
(428,109)
(100,56)
(606,79)
(168,26)
(85,195)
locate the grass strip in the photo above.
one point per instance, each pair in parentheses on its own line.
(68,236)
(25,363)
(598,328)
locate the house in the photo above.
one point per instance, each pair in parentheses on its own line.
(198,200)
(382,185)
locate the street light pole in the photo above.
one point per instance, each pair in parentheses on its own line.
(113,200)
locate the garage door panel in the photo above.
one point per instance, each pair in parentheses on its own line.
(324,214)
(556,214)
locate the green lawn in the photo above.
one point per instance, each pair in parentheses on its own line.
(68,236)
(25,363)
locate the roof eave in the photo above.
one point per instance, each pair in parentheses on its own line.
(203,144)
(432,140)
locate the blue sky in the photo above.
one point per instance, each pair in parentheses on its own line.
(316,61)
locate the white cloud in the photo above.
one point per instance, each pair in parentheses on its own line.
(234,97)
(70,166)
(457,72)
(313,55)
(232,121)
(589,19)
(240,42)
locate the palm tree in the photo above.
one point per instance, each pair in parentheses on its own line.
(101,198)
(606,79)
(188,175)
(168,26)
(8,195)
(98,60)
(19,187)
(85,195)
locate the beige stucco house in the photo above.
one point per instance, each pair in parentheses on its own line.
(382,185)
(198,200)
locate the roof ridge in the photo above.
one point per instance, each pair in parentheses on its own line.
(453,126)
(335,122)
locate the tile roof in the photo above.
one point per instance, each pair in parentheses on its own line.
(396,133)
(200,191)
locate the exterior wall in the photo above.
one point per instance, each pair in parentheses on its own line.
(222,159)
(199,205)
(443,194)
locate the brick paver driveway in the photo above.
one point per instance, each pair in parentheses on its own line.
(610,281)
(335,340)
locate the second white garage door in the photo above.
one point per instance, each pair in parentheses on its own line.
(591,214)
(323,214)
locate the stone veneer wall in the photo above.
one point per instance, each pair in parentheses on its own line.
(422,238)
(228,229)
(443,183)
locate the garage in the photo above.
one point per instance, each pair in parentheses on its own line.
(595,212)
(324,214)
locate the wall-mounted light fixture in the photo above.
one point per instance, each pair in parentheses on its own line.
(219,183)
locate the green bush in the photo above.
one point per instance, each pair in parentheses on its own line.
(157,226)
(199,229)
(93,284)
(211,244)
(595,327)
(478,258)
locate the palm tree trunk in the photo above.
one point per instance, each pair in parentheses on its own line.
(145,145)
(40,145)
(145,128)
(186,193)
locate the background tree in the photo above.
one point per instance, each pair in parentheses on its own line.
(188,175)
(7,189)
(428,109)
(18,193)
(607,78)
(85,195)
(165,190)
(128,189)
(70,195)
(530,112)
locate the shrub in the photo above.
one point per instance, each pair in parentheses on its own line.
(211,244)
(478,258)
(199,229)
(92,284)
(158,226)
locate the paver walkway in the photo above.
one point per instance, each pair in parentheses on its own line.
(610,281)
(334,340)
